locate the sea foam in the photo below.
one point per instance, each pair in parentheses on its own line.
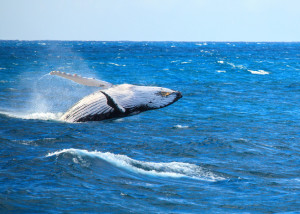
(180,127)
(34,116)
(261,72)
(170,169)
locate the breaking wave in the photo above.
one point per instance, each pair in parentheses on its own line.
(171,169)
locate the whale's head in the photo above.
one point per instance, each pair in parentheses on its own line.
(144,98)
(161,97)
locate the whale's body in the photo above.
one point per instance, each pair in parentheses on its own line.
(116,101)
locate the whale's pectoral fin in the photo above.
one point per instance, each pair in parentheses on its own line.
(112,103)
(82,80)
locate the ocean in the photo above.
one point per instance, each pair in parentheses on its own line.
(231,144)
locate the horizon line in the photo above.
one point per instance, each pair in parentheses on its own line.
(75,40)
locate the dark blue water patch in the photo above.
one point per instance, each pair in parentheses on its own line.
(230,145)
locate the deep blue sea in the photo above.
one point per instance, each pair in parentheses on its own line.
(230,145)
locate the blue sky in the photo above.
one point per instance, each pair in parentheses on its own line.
(151,20)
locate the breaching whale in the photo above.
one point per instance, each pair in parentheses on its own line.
(115,101)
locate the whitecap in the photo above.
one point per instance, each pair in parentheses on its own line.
(221,62)
(261,72)
(236,66)
(221,71)
(200,44)
(2,68)
(181,127)
(170,169)
(115,64)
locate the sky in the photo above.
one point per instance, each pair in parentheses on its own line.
(150,20)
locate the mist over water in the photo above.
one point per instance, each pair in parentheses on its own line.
(230,145)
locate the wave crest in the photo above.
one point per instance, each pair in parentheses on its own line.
(171,169)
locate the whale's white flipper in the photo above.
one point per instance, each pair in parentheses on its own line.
(82,80)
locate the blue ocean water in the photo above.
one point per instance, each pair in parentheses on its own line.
(230,145)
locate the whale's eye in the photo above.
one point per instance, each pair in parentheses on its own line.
(164,93)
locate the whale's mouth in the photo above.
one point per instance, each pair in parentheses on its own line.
(178,96)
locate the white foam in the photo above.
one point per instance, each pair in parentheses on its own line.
(221,62)
(221,71)
(236,66)
(181,127)
(171,169)
(43,116)
(35,116)
(260,72)
(115,64)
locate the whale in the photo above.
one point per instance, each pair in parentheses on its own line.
(115,101)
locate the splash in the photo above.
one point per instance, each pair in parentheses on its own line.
(171,169)
(43,116)
(34,116)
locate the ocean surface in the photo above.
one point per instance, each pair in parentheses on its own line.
(230,145)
